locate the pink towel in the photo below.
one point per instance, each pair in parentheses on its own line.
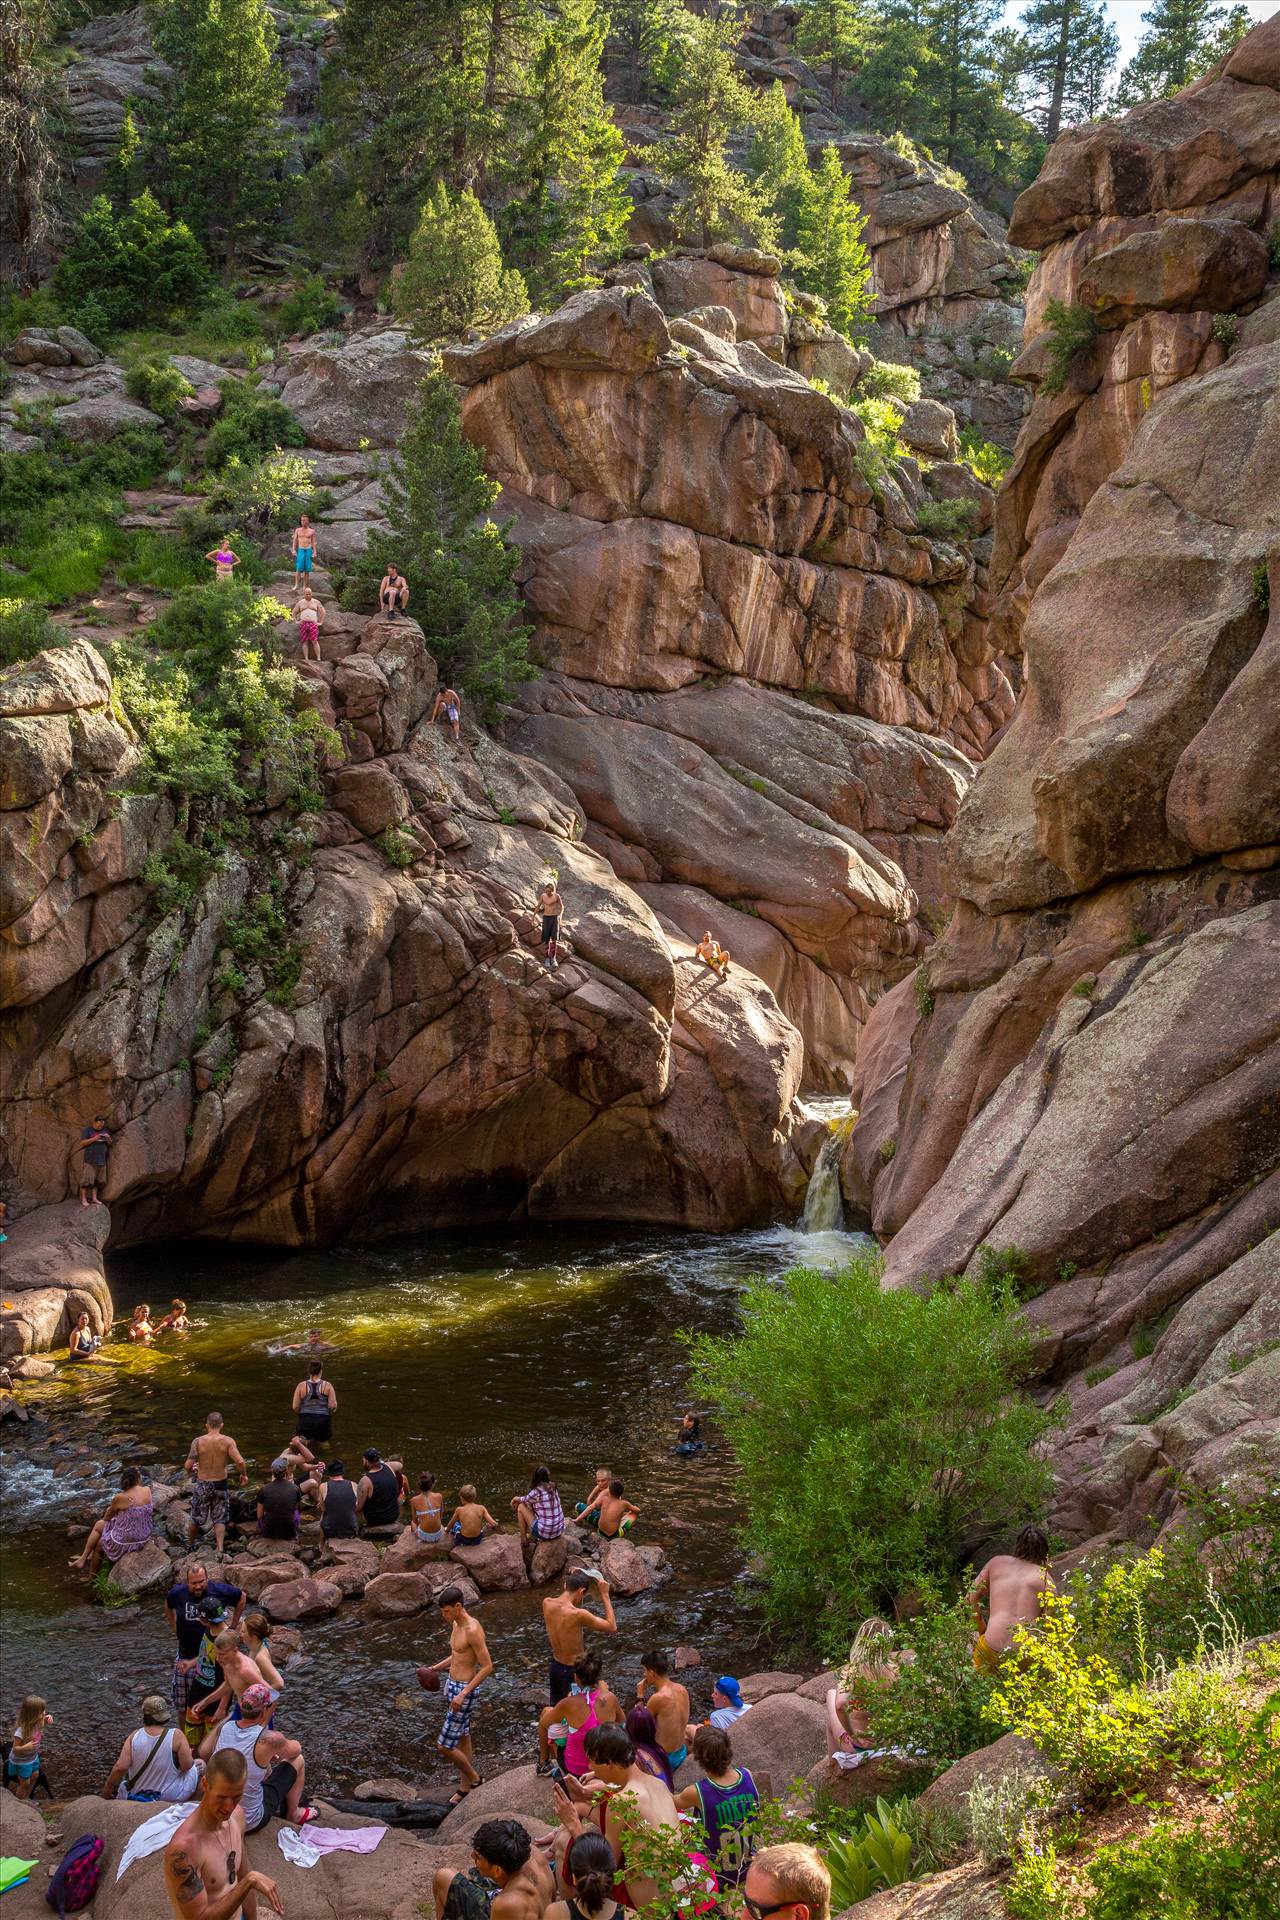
(305,1848)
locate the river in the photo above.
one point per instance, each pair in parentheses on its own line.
(474,1356)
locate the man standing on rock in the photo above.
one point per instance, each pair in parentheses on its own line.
(470,1664)
(667,1701)
(209,1456)
(1014,1586)
(310,617)
(551,907)
(566,1621)
(183,1607)
(304,550)
(95,1145)
(205,1874)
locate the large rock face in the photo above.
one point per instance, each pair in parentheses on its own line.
(1105,1004)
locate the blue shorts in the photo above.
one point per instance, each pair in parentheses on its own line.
(302,560)
(678,1758)
(23,1769)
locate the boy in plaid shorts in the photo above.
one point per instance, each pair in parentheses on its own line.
(469,1665)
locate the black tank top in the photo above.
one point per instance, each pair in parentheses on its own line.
(338,1520)
(383,1504)
(316,1392)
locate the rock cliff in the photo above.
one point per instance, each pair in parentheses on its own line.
(1087,1066)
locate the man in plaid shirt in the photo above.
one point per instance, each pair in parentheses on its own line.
(539,1511)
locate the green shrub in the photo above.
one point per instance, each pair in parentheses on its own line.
(1035,1891)
(156,383)
(947,519)
(397,849)
(889,380)
(986,461)
(1262,587)
(935,1704)
(882,421)
(134,265)
(25,630)
(454,278)
(999,1807)
(872,1430)
(1071,330)
(259,937)
(310,308)
(924,994)
(260,494)
(251,424)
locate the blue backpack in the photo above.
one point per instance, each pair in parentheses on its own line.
(76,1880)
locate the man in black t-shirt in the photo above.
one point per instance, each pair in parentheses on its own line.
(184,1607)
(95,1145)
(278,1503)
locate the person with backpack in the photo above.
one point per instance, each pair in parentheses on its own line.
(155,1762)
(206,1875)
(314,1404)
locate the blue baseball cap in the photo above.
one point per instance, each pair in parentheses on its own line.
(729,1687)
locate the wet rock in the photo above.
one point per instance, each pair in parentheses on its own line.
(408,1554)
(352,1564)
(255,1576)
(11,1409)
(632,1569)
(304,1599)
(392,1596)
(687,1657)
(548,1560)
(139,1572)
(29,1366)
(496,1563)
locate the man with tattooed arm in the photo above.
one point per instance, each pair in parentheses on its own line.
(205,1873)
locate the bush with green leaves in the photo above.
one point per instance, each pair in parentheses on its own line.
(935,1705)
(311,307)
(890,380)
(252,423)
(1000,1806)
(883,423)
(1071,329)
(454,278)
(873,1432)
(134,264)
(156,383)
(59,507)
(258,495)
(947,519)
(986,461)
(25,630)
(460,564)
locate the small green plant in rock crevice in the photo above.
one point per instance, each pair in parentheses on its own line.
(1071,330)
(924,994)
(1262,587)
(397,848)
(258,936)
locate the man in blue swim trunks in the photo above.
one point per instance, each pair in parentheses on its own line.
(667,1701)
(304,550)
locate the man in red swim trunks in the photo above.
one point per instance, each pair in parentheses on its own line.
(309,615)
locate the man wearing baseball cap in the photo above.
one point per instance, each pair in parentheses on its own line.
(279,1503)
(275,1766)
(727,1703)
(155,1763)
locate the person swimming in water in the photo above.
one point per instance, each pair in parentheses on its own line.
(313,1341)
(689,1439)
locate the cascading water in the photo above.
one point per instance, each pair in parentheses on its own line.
(823,1204)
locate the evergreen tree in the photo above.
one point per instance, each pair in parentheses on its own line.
(778,161)
(454,278)
(960,31)
(461,565)
(647,36)
(899,78)
(131,266)
(833,35)
(834,259)
(1182,38)
(124,175)
(1064,44)
(214,147)
(30,110)
(574,219)
(712,101)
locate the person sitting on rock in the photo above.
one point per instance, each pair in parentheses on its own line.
(140,1327)
(239,1671)
(83,1344)
(1013,1586)
(614,1767)
(426,1512)
(277,1771)
(310,616)
(603,1476)
(610,1512)
(588,1703)
(95,1145)
(393,592)
(712,954)
(539,1512)
(667,1701)
(725,1801)
(870,1666)
(336,1498)
(509,1881)
(378,1492)
(279,1503)
(205,1871)
(125,1527)
(448,703)
(470,1521)
(255,1630)
(727,1706)
(642,1730)
(155,1762)
(587,1871)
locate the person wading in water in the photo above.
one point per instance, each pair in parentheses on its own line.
(314,1404)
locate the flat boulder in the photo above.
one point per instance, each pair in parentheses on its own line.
(515,1794)
(847,1787)
(496,1563)
(759,1686)
(139,1572)
(631,1570)
(93,422)
(304,1599)
(408,1554)
(820,1686)
(784,1737)
(393,1596)
(351,1565)
(255,1576)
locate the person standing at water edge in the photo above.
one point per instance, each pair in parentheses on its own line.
(22,1768)
(1013,1586)
(566,1621)
(314,1405)
(470,1664)
(205,1875)
(95,1145)
(209,1456)
(183,1610)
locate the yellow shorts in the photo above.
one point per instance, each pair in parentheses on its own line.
(985,1658)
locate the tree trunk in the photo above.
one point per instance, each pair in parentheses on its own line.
(1059,74)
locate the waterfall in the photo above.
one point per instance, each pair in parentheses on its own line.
(823,1205)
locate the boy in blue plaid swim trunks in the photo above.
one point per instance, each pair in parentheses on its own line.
(469,1667)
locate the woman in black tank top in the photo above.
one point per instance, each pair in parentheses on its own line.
(311,1405)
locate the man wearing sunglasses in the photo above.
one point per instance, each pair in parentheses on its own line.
(789,1880)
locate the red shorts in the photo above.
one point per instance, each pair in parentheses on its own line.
(308,630)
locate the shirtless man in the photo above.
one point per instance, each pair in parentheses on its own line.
(509,1881)
(469,1519)
(448,703)
(469,1665)
(205,1873)
(612,1514)
(239,1671)
(304,550)
(551,907)
(712,954)
(209,1456)
(667,1701)
(614,1767)
(310,616)
(393,592)
(1014,1585)
(567,1620)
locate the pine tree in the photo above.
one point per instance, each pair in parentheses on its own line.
(899,78)
(833,34)
(30,112)
(835,261)
(214,147)
(960,30)
(573,220)
(778,161)
(454,278)
(647,35)
(711,102)
(1182,39)
(460,564)
(1063,45)
(124,174)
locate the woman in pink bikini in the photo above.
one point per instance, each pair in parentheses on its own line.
(225,561)
(309,615)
